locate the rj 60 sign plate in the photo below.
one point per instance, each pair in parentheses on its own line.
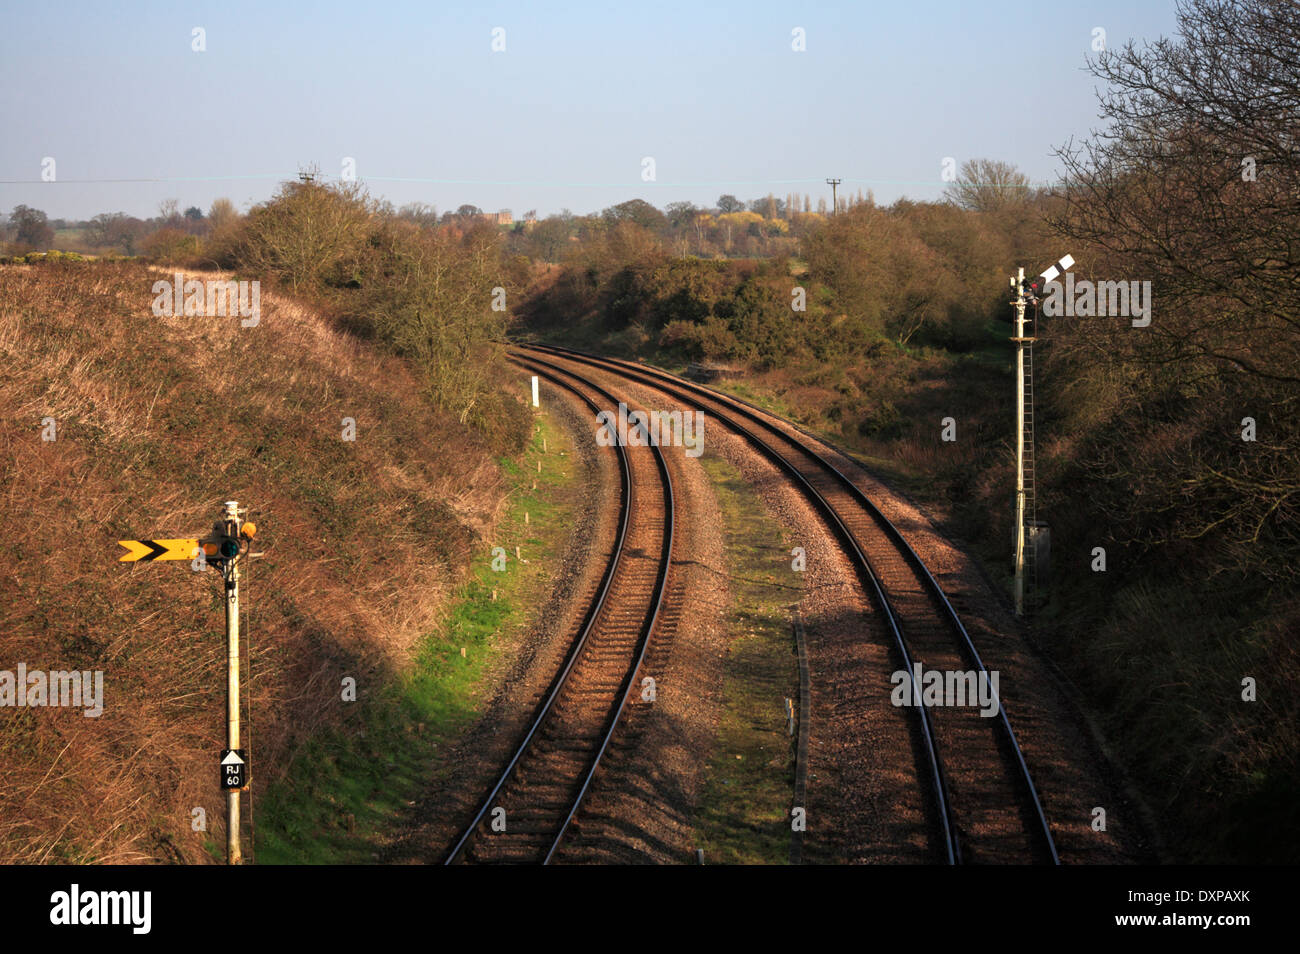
(234,769)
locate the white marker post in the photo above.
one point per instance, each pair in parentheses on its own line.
(536,397)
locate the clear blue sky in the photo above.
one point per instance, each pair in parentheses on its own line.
(561,118)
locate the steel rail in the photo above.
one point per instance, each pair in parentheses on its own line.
(683,388)
(559,683)
(665,559)
(868,578)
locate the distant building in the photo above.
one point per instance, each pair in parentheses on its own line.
(504,217)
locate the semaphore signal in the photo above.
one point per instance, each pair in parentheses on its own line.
(1026,517)
(224,548)
(1036,288)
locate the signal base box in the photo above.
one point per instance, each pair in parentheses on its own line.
(1038,543)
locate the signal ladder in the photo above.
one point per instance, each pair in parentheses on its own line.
(1031,509)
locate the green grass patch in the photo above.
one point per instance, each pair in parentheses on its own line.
(346,787)
(744,813)
(772,403)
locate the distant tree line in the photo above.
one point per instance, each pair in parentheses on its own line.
(172,234)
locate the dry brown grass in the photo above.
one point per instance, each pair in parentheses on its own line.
(159,420)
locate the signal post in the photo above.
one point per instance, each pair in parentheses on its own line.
(232,772)
(1027,293)
(224,548)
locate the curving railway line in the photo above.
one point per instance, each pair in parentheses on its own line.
(524,817)
(982,797)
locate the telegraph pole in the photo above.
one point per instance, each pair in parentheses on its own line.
(835,206)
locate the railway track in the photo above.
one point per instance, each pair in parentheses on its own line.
(525,815)
(983,799)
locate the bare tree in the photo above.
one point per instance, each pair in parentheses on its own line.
(169,212)
(987,185)
(421,213)
(116,230)
(221,213)
(1195,186)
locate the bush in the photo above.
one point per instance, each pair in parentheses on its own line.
(708,340)
(428,293)
(170,246)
